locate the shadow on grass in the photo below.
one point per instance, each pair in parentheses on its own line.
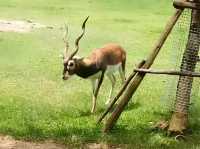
(87,113)
(130,107)
(79,131)
(143,136)
(139,135)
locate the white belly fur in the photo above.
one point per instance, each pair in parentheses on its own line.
(113,68)
(110,70)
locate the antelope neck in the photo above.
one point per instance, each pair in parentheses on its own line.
(86,69)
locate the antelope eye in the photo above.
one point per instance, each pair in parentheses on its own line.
(71,64)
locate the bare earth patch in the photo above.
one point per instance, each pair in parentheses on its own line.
(7,142)
(19,26)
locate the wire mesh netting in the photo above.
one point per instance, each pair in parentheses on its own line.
(189,61)
(184,56)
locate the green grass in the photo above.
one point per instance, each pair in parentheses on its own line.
(36,104)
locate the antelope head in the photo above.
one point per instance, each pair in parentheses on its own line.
(70,60)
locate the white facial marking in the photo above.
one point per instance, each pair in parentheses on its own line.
(66,75)
(76,57)
(71,64)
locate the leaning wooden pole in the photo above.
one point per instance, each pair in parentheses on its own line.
(120,92)
(179,119)
(135,82)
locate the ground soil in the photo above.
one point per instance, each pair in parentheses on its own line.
(7,142)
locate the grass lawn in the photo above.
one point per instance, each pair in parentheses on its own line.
(36,104)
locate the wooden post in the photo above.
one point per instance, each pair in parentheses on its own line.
(180,4)
(133,85)
(179,119)
(169,72)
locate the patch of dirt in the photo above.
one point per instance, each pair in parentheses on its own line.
(7,142)
(103,146)
(19,26)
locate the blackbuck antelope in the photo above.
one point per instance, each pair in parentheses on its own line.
(105,60)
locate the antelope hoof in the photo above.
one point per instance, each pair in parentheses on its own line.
(93,110)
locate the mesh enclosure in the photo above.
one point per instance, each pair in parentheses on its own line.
(184,42)
(189,61)
(177,41)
